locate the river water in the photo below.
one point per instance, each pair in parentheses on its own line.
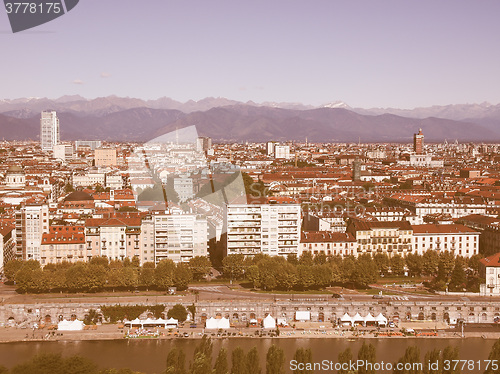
(149,356)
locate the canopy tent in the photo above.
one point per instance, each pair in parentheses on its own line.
(211,323)
(171,322)
(381,320)
(301,315)
(358,318)
(75,325)
(269,322)
(346,318)
(282,322)
(147,322)
(370,319)
(135,322)
(223,323)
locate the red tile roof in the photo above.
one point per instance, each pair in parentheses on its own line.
(443,229)
(492,261)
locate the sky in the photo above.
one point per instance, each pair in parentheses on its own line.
(366,53)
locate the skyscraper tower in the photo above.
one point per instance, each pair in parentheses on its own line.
(49,130)
(418,142)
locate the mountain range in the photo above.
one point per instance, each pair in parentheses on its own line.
(115,118)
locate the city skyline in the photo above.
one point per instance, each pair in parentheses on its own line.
(386,54)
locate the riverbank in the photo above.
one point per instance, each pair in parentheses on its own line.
(114,332)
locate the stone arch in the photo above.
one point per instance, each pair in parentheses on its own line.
(408,316)
(421,316)
(433,317)
(235,316)
(47,319)
(203,317)
(446,317)
(484,318)
(73,317)
(252,315)
(60,317)
(321,317)
(243,316)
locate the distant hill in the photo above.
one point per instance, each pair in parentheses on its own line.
(127,119)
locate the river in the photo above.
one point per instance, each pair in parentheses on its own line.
(149,355)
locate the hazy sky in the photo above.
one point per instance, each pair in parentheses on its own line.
(401,53)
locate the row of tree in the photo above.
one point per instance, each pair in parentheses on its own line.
(308,272)
(101,274)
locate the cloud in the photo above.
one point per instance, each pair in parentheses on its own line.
(77,81)
(105,75)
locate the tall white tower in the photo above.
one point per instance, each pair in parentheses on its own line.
(49,130)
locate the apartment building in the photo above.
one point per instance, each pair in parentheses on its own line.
(105,157)
(63,244)
(272,229)
(389,237)
(328,243)
(7,245)
(32,221)
(458,239)
(114,237)
(180,237)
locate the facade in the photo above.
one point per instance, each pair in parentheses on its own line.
(327,243)
(7,246)
(49,130)
(489,241)
(115,237)
(32,221)
(282,152)
(391,237)
(63,244)
(15,178)
(272,229)
(490,270)
(92,144)
(105,157)
(458,239)
(203,144)
(418,142)
(63,152)
(179,237)
(184,188)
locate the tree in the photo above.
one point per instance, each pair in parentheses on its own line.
(233,266)
(200,266)
(274,360)
(458,281)
(178,312)
(252,362)
(147,275)
(445,265)
(238,361)
(494,355)
(365,271)
(382,262)
(176,361)
(202,357)
(182,276)
(164,274)
(415,265)
(344,359)
(221,366)
(432,362)
(397,265)
(430,260)
(192,309)
(367,355)
(306,259)
(303,356)
(411,356)
(449,354)
(11,268)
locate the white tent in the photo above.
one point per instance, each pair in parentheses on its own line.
(358,318)
(134,322)
(282,322)
(370,318)
(380,319)
(346,318)
(211,323)
(75,325)
(302,315)
(149,321)
(223,323)
(171,322)
(269,322)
